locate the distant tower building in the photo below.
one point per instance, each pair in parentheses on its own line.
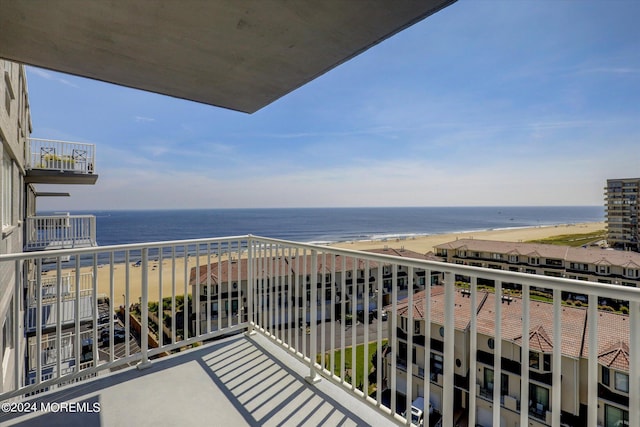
(622,203)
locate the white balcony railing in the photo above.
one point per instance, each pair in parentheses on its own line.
(63,156)
(60,232)
(265,289)
(48,288)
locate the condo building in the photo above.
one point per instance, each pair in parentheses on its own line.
(286,282)
(586,264)
(478,392)
(28,165)
(621,206)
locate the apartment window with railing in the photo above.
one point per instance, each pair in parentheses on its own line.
(7,190)
(538,400)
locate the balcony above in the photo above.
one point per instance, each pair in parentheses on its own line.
(60,232)
(60,162)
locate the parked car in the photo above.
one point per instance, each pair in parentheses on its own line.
(119,335)
(361,316)
(383,315)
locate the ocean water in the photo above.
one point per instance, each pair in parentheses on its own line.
(324,225)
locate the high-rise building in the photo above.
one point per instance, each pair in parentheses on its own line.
(621,203)
(27,164)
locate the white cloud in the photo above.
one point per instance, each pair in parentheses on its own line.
(51,76)
(142,119)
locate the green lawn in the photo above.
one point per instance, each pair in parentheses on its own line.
(574,240)
(360,362)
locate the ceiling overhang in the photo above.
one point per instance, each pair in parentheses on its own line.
(240,54)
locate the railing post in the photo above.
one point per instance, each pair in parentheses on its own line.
(592,369)
(251,284)
(93,235)
(17,285)
(313,319)
(144,312)
(449,355)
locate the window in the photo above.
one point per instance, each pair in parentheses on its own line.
(491,343)
(546,362)
(403,323)
(534,261)
(436,366)
(416,327)
(622,382)
(496,256)
(539,398)
(605,376)
(615,417)
(7,100)
(214,309)
(534,360)
(7,190)
(488,381)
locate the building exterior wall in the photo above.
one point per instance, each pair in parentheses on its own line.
(622,203)
(577,263)
(613,391)
(15,128)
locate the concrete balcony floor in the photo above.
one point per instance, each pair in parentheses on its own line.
(236,381)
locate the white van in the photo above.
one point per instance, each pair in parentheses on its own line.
(417,416)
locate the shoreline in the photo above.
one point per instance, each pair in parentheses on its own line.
(425,243)
(421,244)
(394,237)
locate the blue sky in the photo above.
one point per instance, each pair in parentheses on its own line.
(486,103)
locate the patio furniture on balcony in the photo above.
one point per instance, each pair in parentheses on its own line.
(60,162)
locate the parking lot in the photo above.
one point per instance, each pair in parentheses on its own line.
(119,345)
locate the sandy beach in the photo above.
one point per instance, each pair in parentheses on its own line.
(161,276)
(425,244)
